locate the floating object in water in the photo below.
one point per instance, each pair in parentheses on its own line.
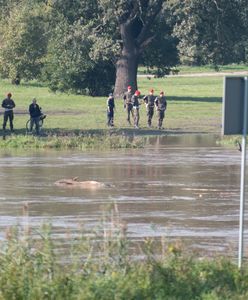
(90,184)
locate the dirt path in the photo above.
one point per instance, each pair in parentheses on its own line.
(55,112)
(204,74)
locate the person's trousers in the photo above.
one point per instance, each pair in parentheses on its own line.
(150,112)
(8,115)
(129,111)
(160,118)
(36,121)
(110,116)
(136,116)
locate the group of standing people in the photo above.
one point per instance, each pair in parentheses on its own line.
(132,104)
(35,112)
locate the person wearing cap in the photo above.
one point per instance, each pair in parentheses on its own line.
(110,110)
(149,101)
(8,104)
(35,114)
(128,103)
(161,105)
(136,104)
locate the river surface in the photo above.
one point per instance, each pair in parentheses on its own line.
(177,187)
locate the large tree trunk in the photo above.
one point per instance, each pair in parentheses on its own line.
(127,64)
(126,73)
(134,22)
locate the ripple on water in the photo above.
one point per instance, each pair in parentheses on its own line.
(180,188)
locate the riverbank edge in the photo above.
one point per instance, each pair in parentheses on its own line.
(114,138)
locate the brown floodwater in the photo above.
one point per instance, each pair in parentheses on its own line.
(177,187)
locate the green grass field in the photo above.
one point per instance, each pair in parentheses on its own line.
(194,105)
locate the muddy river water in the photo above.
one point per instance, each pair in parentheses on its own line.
(180,187)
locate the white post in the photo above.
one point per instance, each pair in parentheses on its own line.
(242,179)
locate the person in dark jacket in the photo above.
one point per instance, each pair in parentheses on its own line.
(128,103)
(161,105)
(110,110)
(35,115)
(149,101)
(8,104)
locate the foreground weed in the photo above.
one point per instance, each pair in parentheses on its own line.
(100,264)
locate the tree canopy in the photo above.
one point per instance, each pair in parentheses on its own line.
(96,46)
(211,31)
(22,46)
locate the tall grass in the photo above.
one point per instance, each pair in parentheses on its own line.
(103,141)
(102,266)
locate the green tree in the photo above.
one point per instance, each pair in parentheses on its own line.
(137,25)
(88,43)
(23,40)
(161,54)
(211,31)
(115,37)
(68,65)
(71,64)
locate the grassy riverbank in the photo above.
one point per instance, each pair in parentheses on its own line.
(194,105)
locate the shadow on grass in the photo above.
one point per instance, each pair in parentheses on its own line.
(196,99)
